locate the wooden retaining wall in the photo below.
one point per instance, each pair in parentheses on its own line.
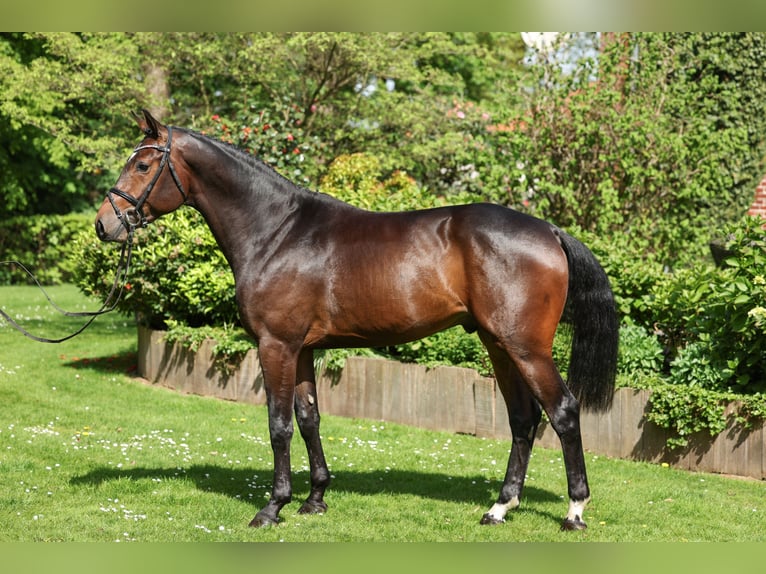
(457,400)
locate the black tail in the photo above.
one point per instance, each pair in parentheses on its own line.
(593,314)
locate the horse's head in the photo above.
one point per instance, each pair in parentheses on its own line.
(148,187)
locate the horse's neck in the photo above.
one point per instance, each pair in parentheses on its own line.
(247,215)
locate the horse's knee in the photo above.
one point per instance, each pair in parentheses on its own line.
(281,432)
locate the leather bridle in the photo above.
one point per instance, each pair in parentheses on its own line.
(134,217)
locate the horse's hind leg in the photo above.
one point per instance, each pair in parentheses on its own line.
(563,410)
(524,415)
(307,415)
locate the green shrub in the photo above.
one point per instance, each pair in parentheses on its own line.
(733,317)
(660,147)
(715,318)
(687,410)
(562,347)
(451,347)
(676,300)
(640,352)
(177,273)
(42,243)
(694,367)
(358,179)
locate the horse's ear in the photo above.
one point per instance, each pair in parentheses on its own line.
(148,125)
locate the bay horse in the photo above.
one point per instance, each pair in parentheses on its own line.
(312,272)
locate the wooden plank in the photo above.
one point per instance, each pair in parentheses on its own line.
(484,391)
(248,381)
(589,429)
(429,410)
(650,447)
(409,383)
(331,391)
(452,388)
(632,418)
(502,424)
(732,441)
(610,427)
(762,443)
(741,451)
(350,387)
(369,399)
(144,350)
(396,392)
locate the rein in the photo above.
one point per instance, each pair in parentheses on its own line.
(132,219)
(109,305)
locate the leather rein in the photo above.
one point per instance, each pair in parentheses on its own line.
(132,219)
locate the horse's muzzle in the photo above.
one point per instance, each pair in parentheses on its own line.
(109,228)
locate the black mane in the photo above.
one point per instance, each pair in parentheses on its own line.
(248,158)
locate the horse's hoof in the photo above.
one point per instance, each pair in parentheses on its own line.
(261,521)
(576,524)
(489,519)
(312,507)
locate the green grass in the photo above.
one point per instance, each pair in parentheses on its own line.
(90,453)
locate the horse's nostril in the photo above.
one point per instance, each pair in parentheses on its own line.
(100,231)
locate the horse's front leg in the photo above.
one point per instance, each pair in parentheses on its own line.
(307,415)
(279,366)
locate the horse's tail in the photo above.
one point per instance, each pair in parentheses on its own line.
(591,310)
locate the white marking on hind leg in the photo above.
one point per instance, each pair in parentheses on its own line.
(498,510)
(576,509)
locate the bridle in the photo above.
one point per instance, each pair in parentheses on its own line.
(134,217)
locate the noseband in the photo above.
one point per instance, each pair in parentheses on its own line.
(134,217)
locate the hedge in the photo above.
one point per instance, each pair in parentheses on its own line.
(44,244)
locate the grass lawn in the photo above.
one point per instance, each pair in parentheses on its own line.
(88,452)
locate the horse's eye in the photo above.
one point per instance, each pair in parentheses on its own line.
(142,167)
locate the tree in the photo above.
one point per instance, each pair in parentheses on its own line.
(656,137)
(385,94)
(64,100)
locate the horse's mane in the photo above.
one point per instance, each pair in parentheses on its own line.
(247,158)
(261,169)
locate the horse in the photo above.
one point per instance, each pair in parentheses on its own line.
(312,272)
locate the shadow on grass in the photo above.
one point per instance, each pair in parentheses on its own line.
(238,483)
(123,362)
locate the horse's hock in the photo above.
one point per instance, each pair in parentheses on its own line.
(453,399)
